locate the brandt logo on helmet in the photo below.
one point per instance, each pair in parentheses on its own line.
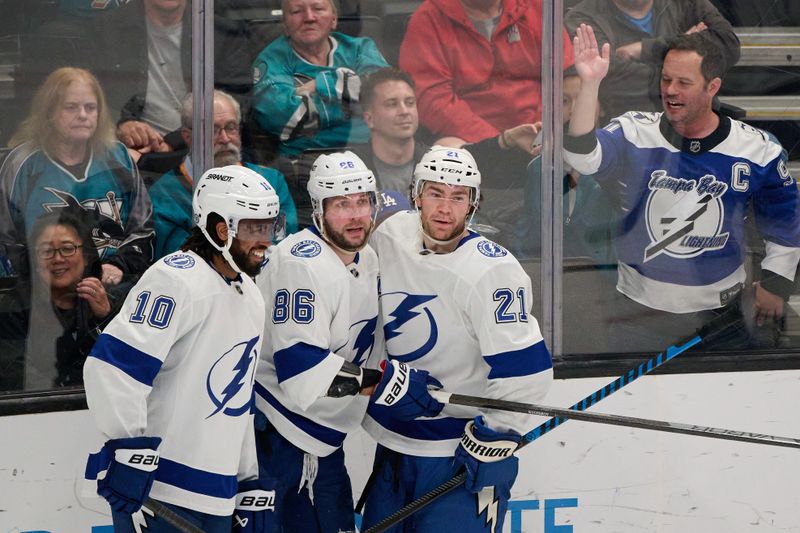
(306,249)
(220,177)
(182,261)
(491,249)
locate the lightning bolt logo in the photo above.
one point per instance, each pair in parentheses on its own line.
(681,221)
(403,313)
(487,502)
(365,340)
(139,521)
(241,369)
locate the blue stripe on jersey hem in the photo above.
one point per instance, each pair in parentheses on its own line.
(137,364)
(194,480)
(525,362)
(315,430)
(434,429)
(296,359)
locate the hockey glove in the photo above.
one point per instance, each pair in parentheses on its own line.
(488,457)
(405,391)
(255,508)
(130,474)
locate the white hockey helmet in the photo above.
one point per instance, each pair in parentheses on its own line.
(339,174)
(451,166)
(235,193)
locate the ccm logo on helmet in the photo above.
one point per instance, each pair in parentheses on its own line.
(452,170)
(219,177)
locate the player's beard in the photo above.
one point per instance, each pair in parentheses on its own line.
(338,239)
(228,154)
(244,260)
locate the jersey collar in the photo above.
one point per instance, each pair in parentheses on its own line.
(695,146)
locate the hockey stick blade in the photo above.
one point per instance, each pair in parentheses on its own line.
(549,425)
(616,420)
(171,517)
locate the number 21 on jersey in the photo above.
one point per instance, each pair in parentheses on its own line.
(510,302)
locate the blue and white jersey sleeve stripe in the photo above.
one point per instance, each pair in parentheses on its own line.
(520,366)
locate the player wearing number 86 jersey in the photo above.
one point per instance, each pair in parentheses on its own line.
(321,290)
(170,381)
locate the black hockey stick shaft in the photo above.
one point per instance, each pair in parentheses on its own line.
(549,425)
(171,517)
(616,420)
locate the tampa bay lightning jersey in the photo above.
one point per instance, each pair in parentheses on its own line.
(320,313)
(466,318)
(327,118)
(178,362)
(682,241)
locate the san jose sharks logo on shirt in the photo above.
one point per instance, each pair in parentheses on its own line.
(229,382)
(410,324)
(684,216)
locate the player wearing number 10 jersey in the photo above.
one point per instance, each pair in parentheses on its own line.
(170,381)
(458,306)
(321,290)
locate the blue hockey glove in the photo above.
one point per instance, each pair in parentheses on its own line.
(488,457)
(130,474)
(405,391)
(255,508)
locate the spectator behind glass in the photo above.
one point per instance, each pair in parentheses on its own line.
(306,83)
(172,193)
(65,155)
(390,111)
(637,31)
(685,179)
(48,328)
(143,54)
(476,64)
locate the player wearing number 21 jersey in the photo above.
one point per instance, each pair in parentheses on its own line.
(456,305)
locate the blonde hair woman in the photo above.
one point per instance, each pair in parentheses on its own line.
(65,155)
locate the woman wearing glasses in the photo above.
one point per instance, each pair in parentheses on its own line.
(47,329)
(65,155)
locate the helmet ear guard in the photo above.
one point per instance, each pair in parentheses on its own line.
(339,174)
(235,193)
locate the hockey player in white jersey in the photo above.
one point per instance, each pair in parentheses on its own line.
(321,290)
(457,305)
(685,178)
(170,381)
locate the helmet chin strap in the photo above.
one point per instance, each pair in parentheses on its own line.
(224,250)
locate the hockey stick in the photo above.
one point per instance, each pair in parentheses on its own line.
(549,425)
(615,420)
(171,517)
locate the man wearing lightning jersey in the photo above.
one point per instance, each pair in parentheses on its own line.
(321,289)
(685,177)
(170,381)
(458,306)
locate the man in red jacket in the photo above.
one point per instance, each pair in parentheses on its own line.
(477,65)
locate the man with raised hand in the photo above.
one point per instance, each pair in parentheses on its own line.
(685,178)
(321,290)
(170,381)
(456,305)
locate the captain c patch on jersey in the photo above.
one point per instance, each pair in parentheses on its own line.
(684,216)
